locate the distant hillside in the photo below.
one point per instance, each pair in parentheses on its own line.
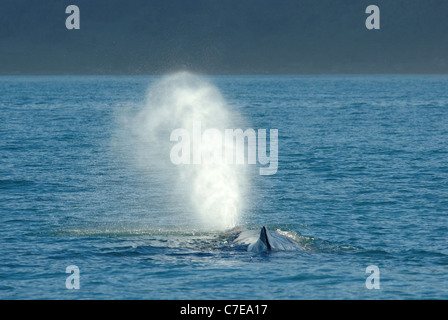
(223,36)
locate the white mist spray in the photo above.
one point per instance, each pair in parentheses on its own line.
(212,192)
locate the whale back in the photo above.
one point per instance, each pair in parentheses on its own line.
(266,241)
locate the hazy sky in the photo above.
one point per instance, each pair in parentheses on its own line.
(223,37)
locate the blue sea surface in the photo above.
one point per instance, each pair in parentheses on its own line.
(362,180)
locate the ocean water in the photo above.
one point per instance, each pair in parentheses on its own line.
(362,180)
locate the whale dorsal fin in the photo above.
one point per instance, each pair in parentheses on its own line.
(264,237)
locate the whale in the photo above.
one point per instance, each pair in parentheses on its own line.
(264,240)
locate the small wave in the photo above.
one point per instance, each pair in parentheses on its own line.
(11,183)
(196,239)
(125,232)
